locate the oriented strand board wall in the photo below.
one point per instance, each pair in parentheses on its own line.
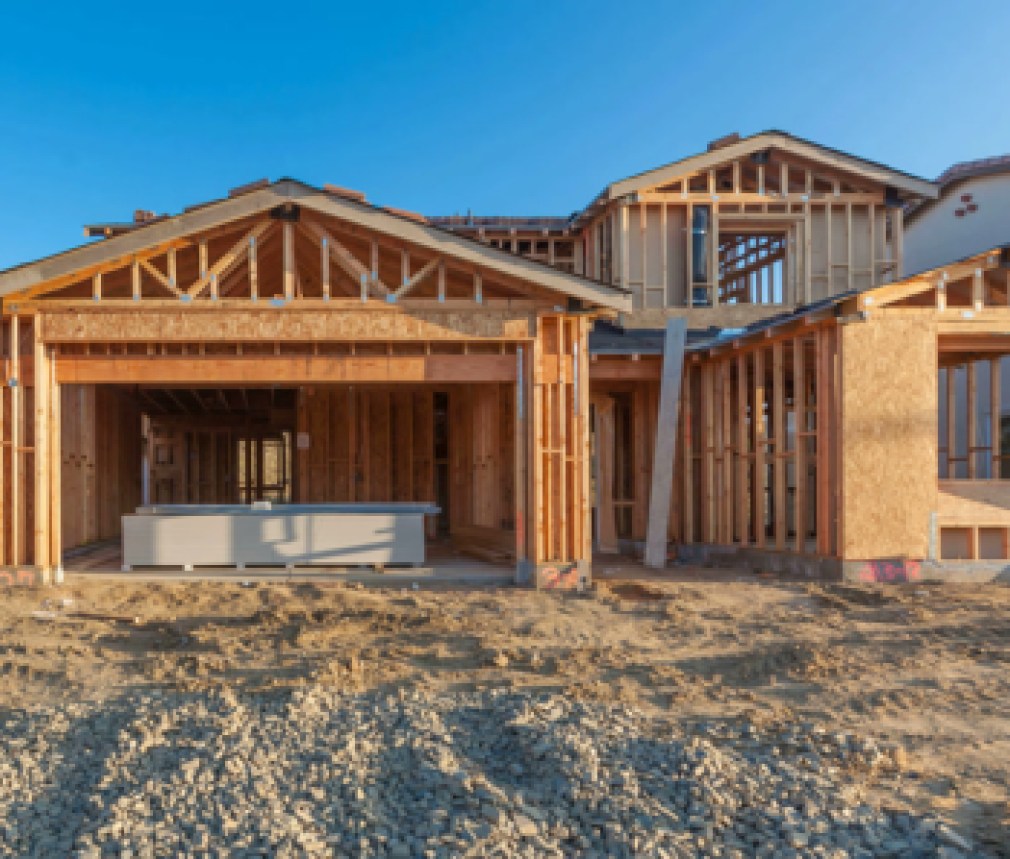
(889,436)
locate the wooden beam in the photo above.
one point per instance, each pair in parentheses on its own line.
(238,251)
(346,260)
(280,369)
(412,281)
(665,443)
(161,278)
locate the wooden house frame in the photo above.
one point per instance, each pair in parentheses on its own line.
(835,417)
(363,313)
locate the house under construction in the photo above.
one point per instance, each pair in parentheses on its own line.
(720,358)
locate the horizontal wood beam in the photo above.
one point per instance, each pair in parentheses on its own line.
(214,370)
(614,368)
(292,323)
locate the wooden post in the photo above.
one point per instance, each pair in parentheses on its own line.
(951,421)
(972,422)
(726,415)
(583,445)
(708,451)
(289,260)
(822,443)
(995,418)
(743,457)
(666,443)
(324,266)
(687,468)
(56,473)
(520,442)
(253,275)
(40,525)
(16,429)
(779,433)
(760,441)
(800,411)
(606,529)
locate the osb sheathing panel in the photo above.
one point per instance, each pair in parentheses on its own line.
(974,502)
(889,437)
(285,324)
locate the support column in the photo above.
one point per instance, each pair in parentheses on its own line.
(40,441)
(560,454)
(666,443)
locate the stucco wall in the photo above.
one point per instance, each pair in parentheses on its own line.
(938,236)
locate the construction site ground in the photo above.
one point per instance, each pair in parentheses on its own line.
(922,669)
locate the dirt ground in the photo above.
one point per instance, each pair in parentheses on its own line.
(925,668)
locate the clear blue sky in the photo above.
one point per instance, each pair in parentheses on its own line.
(500,108)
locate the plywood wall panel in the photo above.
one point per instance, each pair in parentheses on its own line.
(889,437)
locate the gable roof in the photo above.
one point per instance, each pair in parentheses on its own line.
(914,186)
(260,198)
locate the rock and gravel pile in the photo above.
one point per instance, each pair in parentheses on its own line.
(325,772)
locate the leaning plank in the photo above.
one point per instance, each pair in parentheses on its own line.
(666,443)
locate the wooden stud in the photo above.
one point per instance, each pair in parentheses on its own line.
(41,461)
(995,418)
(849,262)
(760,440)
(441,280)
(708,452)
(253,273)
(898,241)
(687,468)
(96,287)
(743,454)
(726,511)
(17,424)
(800,459)
(289,260)
(324,266)
(55,470)
(779,434)
(972,422)
(688,256)
(172,275)
(135,280)
(951,421)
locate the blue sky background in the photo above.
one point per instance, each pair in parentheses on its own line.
(499,108)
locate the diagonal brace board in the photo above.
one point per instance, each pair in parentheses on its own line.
(417,278)
(232,257)
(666,443)
(344,258)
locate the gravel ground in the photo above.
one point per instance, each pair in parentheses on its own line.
(323,771)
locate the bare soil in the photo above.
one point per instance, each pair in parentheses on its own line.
(925,669)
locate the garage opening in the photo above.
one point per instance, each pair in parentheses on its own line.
(447,446)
